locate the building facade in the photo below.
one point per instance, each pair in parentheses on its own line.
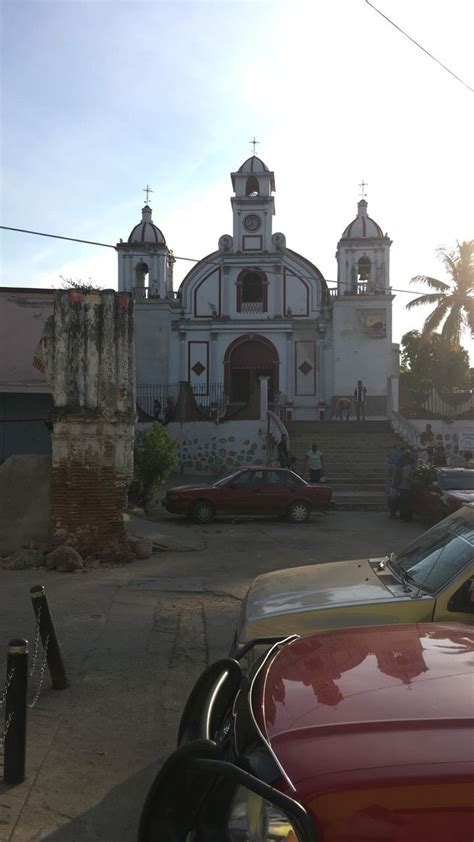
(255,307)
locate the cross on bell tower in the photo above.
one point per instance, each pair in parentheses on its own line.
(254,143)
(147,190)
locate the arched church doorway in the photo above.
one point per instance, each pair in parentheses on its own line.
(248,358)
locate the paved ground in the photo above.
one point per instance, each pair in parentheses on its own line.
(134,640)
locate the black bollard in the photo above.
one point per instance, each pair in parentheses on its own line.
(15,712)
(48,637)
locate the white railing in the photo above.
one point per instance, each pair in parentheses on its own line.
(276,428)
(250,307)
(405,430)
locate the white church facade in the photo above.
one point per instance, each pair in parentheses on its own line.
(255,307)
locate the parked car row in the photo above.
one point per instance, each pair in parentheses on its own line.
(345,711)
(258,490)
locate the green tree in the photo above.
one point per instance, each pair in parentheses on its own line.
(154,458)
(429,361)
(454,301)
(80,285)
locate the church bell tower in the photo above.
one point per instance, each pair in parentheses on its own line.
(253,206)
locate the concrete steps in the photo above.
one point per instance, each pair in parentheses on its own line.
(354,455)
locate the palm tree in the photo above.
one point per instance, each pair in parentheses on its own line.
(454,300)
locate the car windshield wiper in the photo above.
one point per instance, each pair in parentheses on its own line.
(397,568)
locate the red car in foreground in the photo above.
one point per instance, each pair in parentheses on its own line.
(442,491)
(250,491)
(354,735)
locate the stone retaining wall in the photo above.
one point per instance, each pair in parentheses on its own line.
(209,448)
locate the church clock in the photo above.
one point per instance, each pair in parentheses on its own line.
(252,222)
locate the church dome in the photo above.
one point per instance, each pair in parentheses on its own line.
(254,165)
(146,231)
(362,226)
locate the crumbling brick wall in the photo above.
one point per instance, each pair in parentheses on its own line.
(87,352)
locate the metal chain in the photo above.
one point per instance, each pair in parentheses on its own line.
(35,645)
(41,675)
(7,725)
(3,696)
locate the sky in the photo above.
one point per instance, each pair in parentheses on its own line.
(99,99)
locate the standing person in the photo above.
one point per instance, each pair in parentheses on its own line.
(343,407)
(406,488)
(314,461)
(282,449)
(157,409)
(393,458)
(169,409)
(360,394)
(439,458)
(427,441)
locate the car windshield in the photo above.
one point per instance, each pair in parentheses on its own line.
(456,481)
(436,556)
(224,480)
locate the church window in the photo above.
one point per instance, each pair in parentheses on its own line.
(252,188)
(252,292)
(141,273)
(364,274)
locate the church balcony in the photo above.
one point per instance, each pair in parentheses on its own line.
(358,289)
(143,293)
(252,308)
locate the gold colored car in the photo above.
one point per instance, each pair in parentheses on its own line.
(432,579)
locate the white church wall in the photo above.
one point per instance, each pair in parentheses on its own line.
(152,341)
(208,448)
(362,348)
(296,295)
(206,295)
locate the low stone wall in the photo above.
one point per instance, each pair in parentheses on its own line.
(449,433)
(209,448)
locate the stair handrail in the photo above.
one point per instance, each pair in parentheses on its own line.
(276,428)
(407,431)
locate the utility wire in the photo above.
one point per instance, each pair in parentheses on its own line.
(175,257)
(420,47)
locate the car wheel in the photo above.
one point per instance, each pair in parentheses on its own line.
(298,512)
(202,512)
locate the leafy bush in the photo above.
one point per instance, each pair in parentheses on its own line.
(154,458)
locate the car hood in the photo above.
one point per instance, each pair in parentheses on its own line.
(298,589)
(464,496)
(353,688)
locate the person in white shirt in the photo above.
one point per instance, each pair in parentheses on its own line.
(360,394)
(314,461)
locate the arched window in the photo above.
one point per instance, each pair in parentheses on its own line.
(364,274)
(141,273)
(252,291)
(252,188)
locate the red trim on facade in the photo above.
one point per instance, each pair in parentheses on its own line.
(239,283)
(314,392)
(286,272)
(207,315)
(206,372)
(240,340)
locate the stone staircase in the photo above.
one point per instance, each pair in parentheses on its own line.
(354,454)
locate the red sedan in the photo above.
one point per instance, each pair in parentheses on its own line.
(443,491)
(250,491)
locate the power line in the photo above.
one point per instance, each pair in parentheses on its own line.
(189,259)
(57,236)
(419,46)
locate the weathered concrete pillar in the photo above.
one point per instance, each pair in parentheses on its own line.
(263,397)
(87,353)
